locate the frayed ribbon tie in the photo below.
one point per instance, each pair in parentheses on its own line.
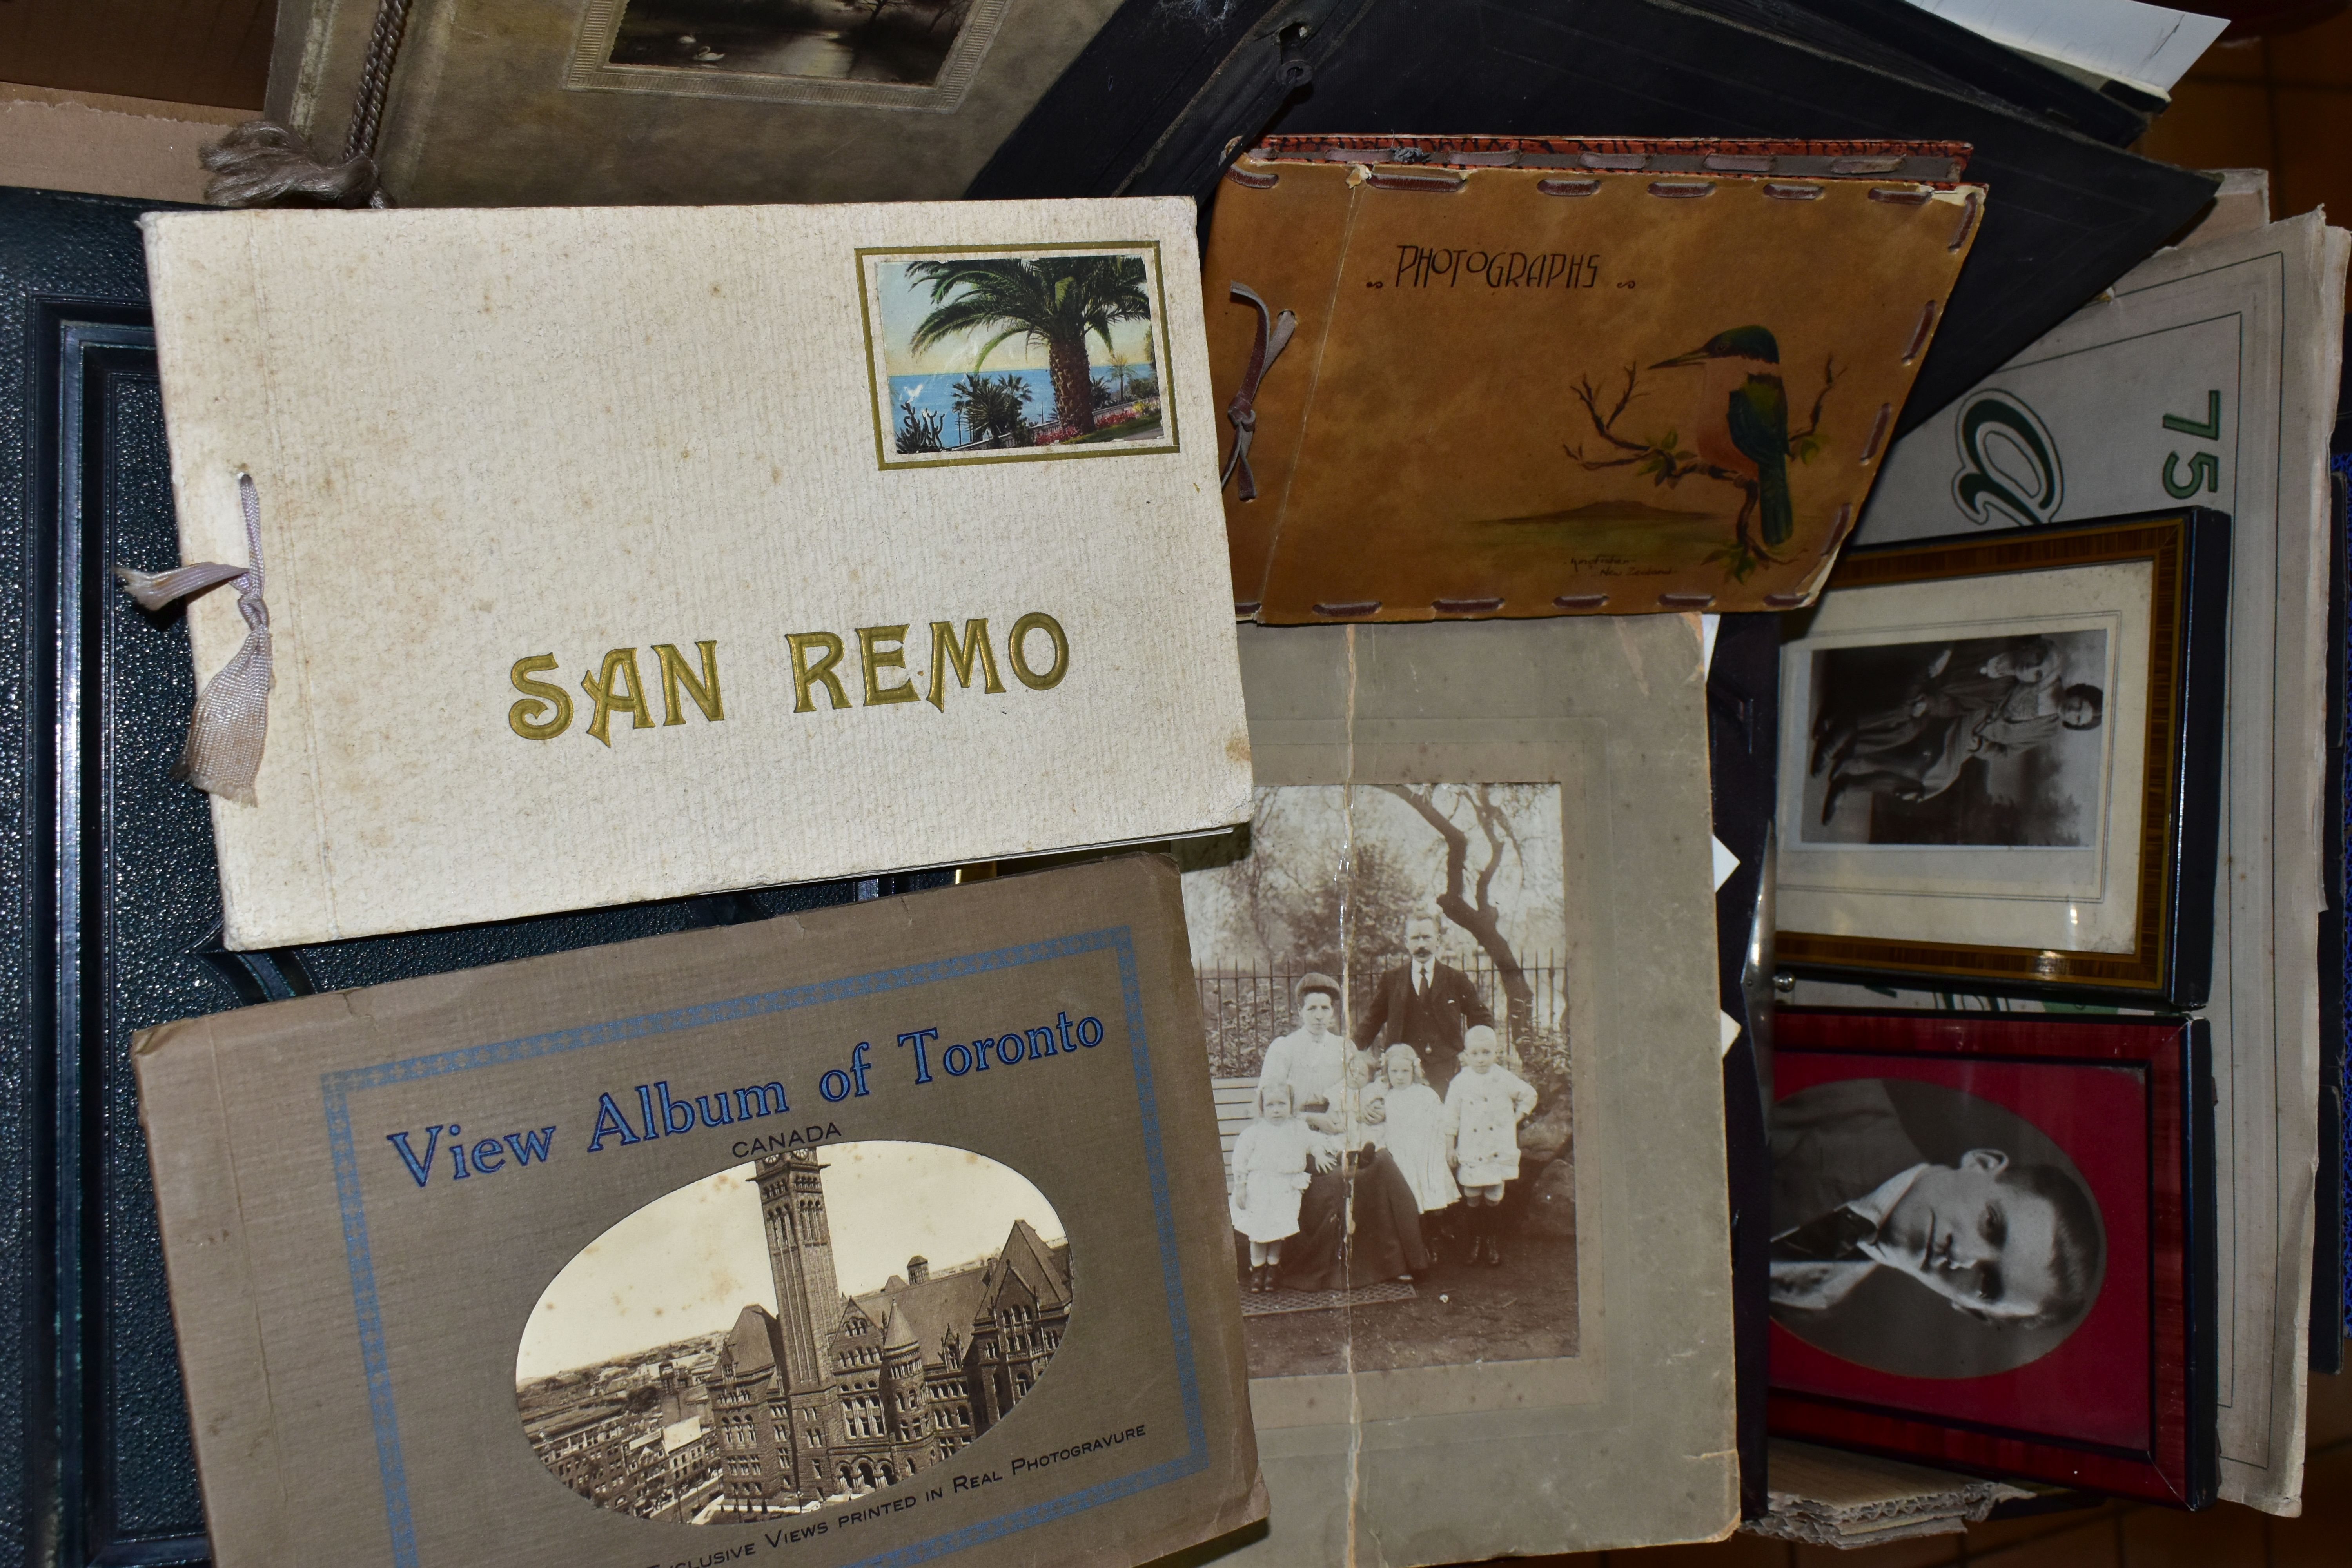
(227,732)
(260,164)
(1273,336)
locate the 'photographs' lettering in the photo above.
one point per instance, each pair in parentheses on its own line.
(1419,267)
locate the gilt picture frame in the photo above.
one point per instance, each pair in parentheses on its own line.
(2087,1146)
(2001,762)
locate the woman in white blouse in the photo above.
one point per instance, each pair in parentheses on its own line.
(1341,1243)
(1312,1059)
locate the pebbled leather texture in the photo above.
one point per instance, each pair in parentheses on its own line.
(112,916)
(55,252)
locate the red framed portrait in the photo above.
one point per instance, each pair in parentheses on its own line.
(1992,1245)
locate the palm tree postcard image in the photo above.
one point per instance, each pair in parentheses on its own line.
(994,356)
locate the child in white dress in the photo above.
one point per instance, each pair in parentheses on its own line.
(1270,1160)
(1413,1128)
(1483,1107)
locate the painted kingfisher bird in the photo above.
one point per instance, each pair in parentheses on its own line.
(1742,367)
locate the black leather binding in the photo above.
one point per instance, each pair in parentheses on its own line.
(1743,705)
(112,913)
(1163,99)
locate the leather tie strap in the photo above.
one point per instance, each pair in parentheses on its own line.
(231,722)
(1273,336)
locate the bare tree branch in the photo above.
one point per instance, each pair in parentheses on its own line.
(1593,465)
(1457,843)
(1481,920)
(1670,466)
(1828,379)
(1606,427)
(1496,825)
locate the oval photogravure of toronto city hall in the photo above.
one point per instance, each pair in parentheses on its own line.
(811,1326)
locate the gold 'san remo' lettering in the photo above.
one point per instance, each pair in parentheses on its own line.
(1037,649)
(615,687)
(965,656)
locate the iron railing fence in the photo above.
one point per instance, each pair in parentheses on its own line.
(1243,1009)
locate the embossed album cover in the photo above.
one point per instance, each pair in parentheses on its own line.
(1520,376)
(892,1232)
(626,554)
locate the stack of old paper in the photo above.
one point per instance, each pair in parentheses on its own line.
(1827,1497)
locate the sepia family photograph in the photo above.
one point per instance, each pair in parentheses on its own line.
(985,355)
(1968,741)
(898,41)
(1921,1230)
(807,1328)
(1383,979)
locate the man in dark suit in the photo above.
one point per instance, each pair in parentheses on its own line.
(1852,1193)
(1424,1004)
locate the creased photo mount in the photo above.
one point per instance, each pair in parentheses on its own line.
(711,1245)
(1456,986)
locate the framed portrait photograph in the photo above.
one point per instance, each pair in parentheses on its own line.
(2001,762)
(1992,1245)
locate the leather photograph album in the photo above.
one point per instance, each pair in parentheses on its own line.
(1547,375)
(1160,102)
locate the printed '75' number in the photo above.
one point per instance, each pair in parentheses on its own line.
(2204,468)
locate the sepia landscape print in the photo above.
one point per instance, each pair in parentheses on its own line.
(898,41)
(986,355)
(809,1327)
